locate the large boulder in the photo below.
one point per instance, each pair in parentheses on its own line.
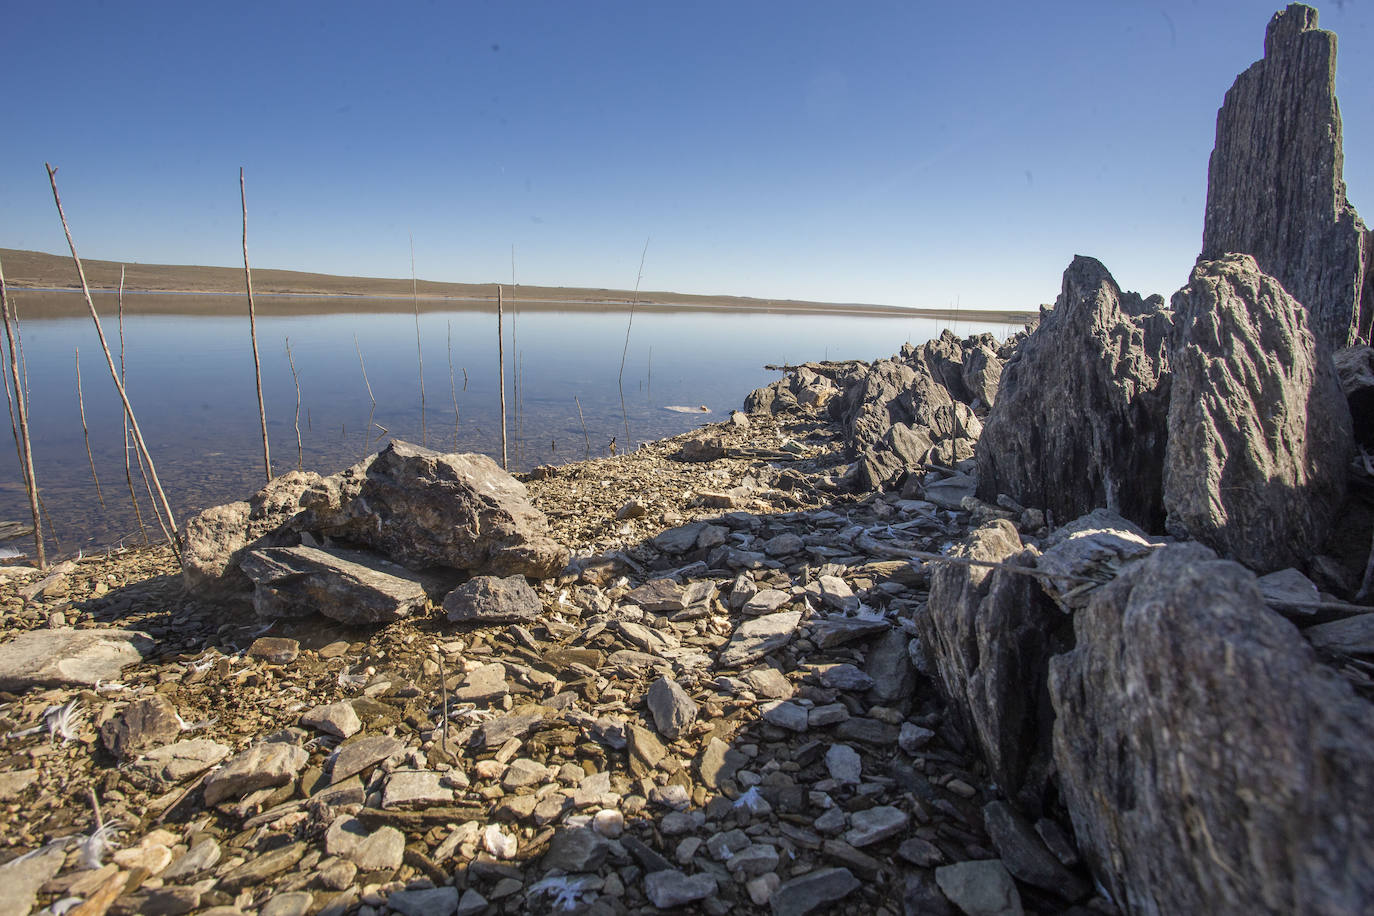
(426,508)
(214,541)
(348,585)
(1259,430)
(1080,417)
(1355,367)
(1209,762)
(988,636)
(1275,188)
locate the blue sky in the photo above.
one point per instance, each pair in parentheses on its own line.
(905,153)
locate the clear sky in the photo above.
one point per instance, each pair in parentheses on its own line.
(906,153)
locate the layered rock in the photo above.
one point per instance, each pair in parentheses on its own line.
(988,636)
(417,507)
(1209,762)
(1259,430)
(349,586)
(1275,188)
(1355,368)
(1080,417)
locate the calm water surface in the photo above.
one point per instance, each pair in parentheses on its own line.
(190,379)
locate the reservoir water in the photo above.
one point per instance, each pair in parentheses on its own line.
(190,380)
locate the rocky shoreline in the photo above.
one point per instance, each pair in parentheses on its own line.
(1077,622)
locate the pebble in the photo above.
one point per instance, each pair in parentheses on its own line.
(671,888)
(844,764)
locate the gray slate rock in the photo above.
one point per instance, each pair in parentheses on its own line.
(483,683)
(1179,657)
(1024,854)
(22,877)
(980,888)
(1351,636)
(1275,188)
(673,710)
(670,888)
(435,901)
(350,586)
(576,849)
(491,600)
(1080,418)
(339,719)
(813,892)
(755,638)
(271,763)
(988,636)
(1355,368)
(65,657)
(358,754)
(873,825)
(1259,432)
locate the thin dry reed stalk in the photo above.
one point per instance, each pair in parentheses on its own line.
(22,443)
(518,376)
(501,370)
(253,330)
(453,386)
(620,382)
(128,470)
(85,432)
(300,460)
(109,360)
(419,353)
(370,395)
(586,438)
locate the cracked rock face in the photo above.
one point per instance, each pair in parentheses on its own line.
(1259,429)
(1275,188)
(1209,762)
(1079,421)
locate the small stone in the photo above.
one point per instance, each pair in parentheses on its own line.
(13,783)
(434,901)
(262,765)
(830,714)
(980,888)
(348,837)
(844,765)
(676,823)
(483,683)
(338,875)
(846,677)
(69,658)
(524,772)
(645,748)
(261,867)
(671,796)
(275,650)
(153,858)
(769,683)
(717,761)
(490,599)
(21,878)
(1025,855)
(765,602)
(786,714)
(724,845)
(170,901)
(669,888)
(875,825)
(471,903)
(755,859)
(920,852)
(609,823)
(499,843)
(357,755)
(659,596)
(673,710)
(833,821)
(913,737)
(813,891)
(632,509)
(205,854)
(144,723)
(182,760)
(576,849)
(784,545)
(762,888)
(293,903)
(415,788)
(339,719)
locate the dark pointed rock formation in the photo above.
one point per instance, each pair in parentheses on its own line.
(1275,186)
(1079,421)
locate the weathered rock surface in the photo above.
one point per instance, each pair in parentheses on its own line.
(269,763)
(144,723)
(425,508)
(1080,417)
(1210,763)
(1259,431)
(988,636)
(214,541)
(490,599)
(350,586)
(61,657)
(1355,368)
(1275,188)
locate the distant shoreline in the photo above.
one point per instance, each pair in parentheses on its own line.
(53,275)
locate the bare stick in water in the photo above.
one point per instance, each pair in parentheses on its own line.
(128,470)
(501,371)
(515,352)
(585,437)
(620,382)
(109,360)
(370,395)
(253,330)
(419,354)
(300,460)
(85,432)
(453,386)
(22,444)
